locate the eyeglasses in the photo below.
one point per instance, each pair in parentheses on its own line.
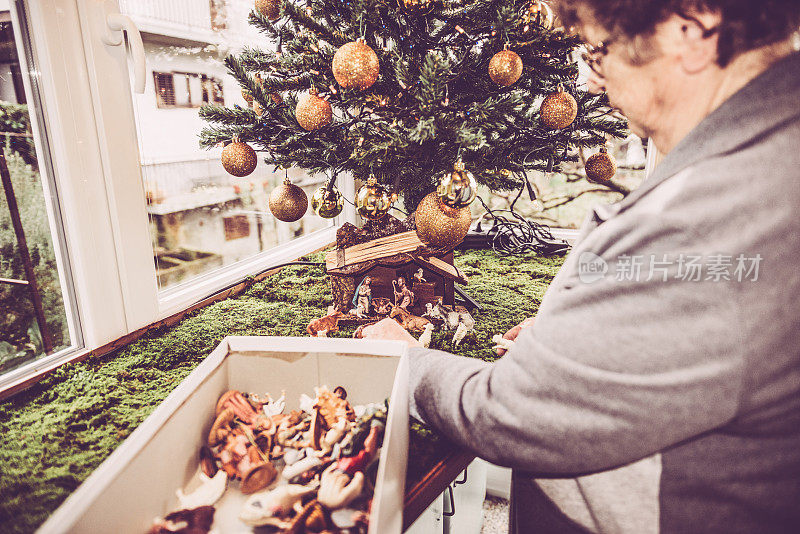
(593,55)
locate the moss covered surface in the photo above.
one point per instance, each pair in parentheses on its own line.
(56,433)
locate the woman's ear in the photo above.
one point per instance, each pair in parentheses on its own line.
(697,42)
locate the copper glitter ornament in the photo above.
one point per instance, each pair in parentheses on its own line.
(287,202)
(327,203)
(600,167)
(355,65)
(505,67)
(558,110)
(372,200)
(269,8)
(457,188)
(239,159)
(439,225)
(313,112)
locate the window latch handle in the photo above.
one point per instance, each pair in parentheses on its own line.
(117,24)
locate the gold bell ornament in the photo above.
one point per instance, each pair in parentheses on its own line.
(372,200)
(288,202)
(457,188)
(327,203)
(355,65)
(600,167)
(558,109)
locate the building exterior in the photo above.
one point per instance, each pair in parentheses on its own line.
(201,217)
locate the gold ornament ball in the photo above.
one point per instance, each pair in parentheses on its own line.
(372,200)
(327,203)
(439,225)
(313,112)
(558,110)
(457,188)
(287,202)
(355,65)
(600,167)
(269,8)
(257,109)
(505,67)
(239,159)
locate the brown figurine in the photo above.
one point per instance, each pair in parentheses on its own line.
(412,323)
(329,323)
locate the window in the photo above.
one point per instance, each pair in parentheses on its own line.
(36,320)
(186,90)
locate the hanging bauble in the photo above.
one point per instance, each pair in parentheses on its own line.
(540,13)
(558,110)
(313,112)
(257,109)
(439,225)
(355,65)
(287,202)
(600,167)
(269,8)
(505,67)
(327,203)
(239,159)
(457,188)
(372,200)
(415,7)
(248,97)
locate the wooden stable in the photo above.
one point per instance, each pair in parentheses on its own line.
(386,259)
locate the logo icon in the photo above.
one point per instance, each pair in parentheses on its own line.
(591,267)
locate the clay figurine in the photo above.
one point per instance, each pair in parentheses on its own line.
(418,277)
(362,300)
(329,323)
(337,489)
(501,343)
(209,492)
(425,338)
(194,521)
(412,323)
(451,318)
(403,296)
(382,306)
(274,507)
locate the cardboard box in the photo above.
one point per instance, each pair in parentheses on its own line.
(138,481)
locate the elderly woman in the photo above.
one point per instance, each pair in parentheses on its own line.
(658,389)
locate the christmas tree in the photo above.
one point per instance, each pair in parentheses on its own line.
(403,89)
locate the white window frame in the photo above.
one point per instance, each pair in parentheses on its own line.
(86,88)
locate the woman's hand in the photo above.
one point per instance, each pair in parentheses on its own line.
(391,330)
(514,332)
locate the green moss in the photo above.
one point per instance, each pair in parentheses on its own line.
(56,433)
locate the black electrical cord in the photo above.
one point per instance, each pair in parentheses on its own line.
(520,235)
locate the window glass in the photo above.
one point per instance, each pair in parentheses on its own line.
(201,218)
(564,198)
(33,316)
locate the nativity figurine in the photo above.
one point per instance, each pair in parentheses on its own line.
(403,296)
